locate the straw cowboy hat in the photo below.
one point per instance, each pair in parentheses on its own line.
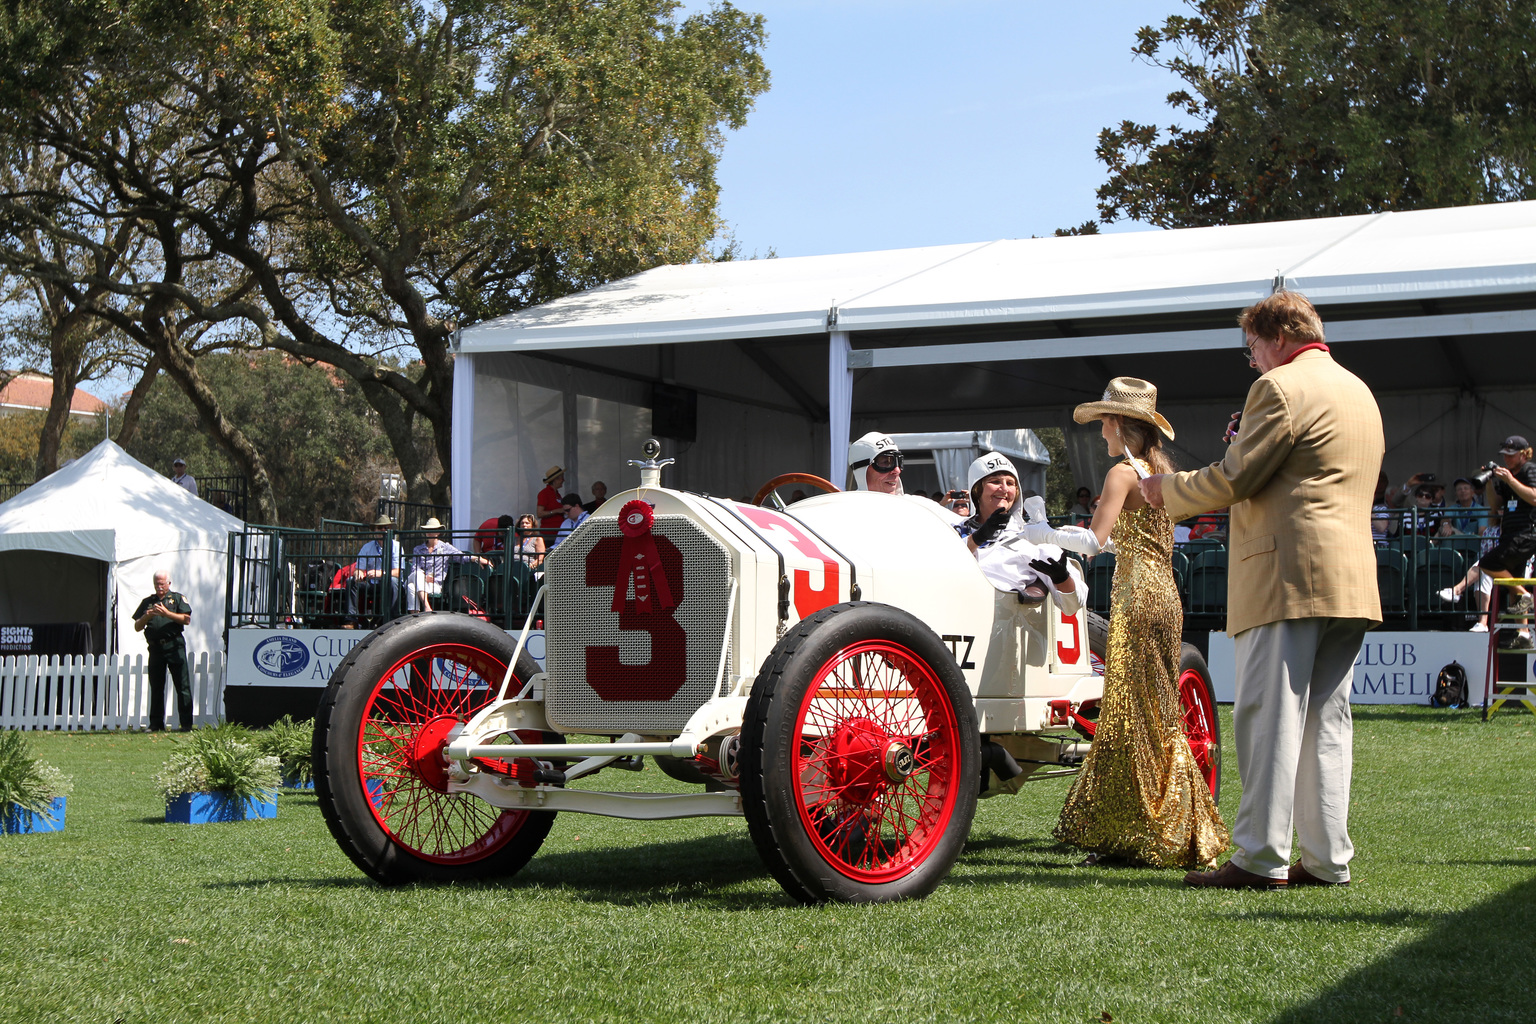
(554,471)
(1126,396)
(432,524)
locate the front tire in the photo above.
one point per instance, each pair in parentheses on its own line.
(380,732)
(859,757)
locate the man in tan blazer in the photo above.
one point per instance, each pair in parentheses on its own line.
(1299,475)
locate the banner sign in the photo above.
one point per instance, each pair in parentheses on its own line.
(306,657)
(1393,668)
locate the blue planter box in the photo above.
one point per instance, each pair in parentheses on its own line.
(292,782)
(15,822)
(205,808)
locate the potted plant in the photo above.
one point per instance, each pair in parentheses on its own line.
(32,792)
(219,776)
(292,743)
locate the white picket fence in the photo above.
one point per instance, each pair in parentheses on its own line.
(101,692)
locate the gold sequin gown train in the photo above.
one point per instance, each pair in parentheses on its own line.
(1140,795)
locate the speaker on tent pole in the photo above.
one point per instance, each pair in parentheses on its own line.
(674,412)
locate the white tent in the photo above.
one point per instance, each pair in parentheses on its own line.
(951,453)
(786,359)
(84,545)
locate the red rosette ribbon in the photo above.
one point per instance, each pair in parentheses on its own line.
(640,561)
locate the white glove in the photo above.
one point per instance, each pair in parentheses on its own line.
(1073,538)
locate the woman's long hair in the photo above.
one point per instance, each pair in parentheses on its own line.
(1143,439)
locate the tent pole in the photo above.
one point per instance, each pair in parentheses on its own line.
(463,435)
(839,402)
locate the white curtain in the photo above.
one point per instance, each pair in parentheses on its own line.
(839,402)
(952,464)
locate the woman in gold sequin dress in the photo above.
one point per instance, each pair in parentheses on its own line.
(1140,798)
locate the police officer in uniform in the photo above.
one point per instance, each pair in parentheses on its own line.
(161,617)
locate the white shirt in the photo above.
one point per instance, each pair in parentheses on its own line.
(186,480)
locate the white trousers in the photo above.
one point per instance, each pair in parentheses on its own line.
(1295,740)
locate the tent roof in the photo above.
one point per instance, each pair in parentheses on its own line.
(1418,257)
(109,506)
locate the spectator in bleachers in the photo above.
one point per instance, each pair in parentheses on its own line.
(492,535)
(1383,523)
(1211,526)
(1403,496)
(575,515)
(429,567)
(1466,515)
(530,546)
(1428,521)
(1084,501)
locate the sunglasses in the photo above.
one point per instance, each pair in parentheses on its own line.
(885,462)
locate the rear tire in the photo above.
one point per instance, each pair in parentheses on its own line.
(1202,726)
(859,757)
(380,731)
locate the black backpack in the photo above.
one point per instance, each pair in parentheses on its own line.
(1450,688)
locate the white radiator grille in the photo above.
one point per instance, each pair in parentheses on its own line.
(582,632)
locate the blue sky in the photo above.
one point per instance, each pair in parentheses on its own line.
(892,123)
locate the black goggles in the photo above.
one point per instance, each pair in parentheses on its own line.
(884,462)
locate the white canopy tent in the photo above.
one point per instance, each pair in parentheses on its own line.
(84,544)
(953,451)
(1436,309)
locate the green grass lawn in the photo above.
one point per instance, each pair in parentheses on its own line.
(125,918)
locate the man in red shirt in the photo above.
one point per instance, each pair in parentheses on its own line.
(551,512)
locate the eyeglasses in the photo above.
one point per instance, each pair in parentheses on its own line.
(885,462)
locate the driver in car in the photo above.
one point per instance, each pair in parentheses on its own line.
(874,463)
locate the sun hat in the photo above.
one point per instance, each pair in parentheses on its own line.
(1126,396)
(553,472)
(432,524)
(384,520)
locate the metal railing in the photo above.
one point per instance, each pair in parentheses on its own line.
(232,493)
(9,491)
(1417,557)
(307,579)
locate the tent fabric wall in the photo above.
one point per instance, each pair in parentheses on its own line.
(46,586)
(108,504)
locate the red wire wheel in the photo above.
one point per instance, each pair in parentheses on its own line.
(860,757)
(1201,726)
(381,734)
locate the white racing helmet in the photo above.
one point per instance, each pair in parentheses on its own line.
(989,464)
(863,451)
(992,464)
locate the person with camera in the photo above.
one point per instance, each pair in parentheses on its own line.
(1511,489)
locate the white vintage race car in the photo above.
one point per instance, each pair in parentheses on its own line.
(839,673)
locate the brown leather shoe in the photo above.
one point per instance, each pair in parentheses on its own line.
(1299,875)
(1230,876)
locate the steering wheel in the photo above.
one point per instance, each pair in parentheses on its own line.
(763,492)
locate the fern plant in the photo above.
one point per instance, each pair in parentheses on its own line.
(216,760)
(26,781)
(292,743)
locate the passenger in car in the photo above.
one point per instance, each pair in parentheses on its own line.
(1008,557)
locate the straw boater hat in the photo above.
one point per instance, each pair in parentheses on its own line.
(1126,396)
(554,471)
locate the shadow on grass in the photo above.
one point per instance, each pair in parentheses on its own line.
(1466,969)
(696,871)
(297,883)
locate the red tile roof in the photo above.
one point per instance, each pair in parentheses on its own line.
(32,391)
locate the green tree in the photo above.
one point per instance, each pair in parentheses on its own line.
(382,171)
(1314,108)
(310,420)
